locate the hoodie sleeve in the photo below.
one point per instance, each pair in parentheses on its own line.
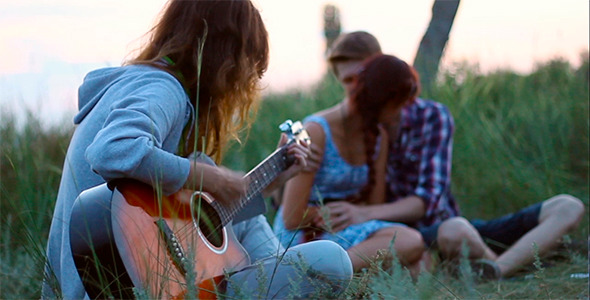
(129,145)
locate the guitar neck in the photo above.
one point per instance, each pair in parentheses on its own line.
(259,178)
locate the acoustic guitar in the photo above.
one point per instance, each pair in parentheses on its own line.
(128,240)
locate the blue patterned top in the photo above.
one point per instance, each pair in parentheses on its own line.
(336,178)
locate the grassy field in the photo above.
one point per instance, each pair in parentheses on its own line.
(519,139)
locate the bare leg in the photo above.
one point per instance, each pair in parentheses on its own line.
(408,245)
(558,216)
(453,232)
(424,264)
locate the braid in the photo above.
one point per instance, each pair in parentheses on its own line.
(369,112)
(370,139)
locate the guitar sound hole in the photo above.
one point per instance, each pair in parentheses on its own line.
(209,223)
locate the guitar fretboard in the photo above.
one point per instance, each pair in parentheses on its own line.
(259,177)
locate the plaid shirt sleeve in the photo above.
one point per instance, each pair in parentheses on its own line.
(434,179)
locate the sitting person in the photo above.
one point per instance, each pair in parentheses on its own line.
(419,184)
(354,144)
(145,120)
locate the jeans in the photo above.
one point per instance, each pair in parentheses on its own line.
(301,271)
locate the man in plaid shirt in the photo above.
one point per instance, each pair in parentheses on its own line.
(419,181)
(419,162)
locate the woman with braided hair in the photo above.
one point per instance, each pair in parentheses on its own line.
(354,143)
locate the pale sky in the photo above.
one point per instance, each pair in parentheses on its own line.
(48,46)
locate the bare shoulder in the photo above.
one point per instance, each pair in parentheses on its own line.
(316,133)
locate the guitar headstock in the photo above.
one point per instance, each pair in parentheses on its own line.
(295,132)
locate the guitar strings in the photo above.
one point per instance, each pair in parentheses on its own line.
(260,179)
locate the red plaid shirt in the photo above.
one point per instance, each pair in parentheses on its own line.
(419,162)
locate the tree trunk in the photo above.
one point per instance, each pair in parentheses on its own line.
(331,24)
(434,41)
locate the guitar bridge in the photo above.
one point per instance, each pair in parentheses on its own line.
(173,247)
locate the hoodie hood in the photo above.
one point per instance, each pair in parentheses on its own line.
(95,85)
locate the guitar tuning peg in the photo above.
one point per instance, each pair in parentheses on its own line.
(295,131)
(296,128)
(286,127)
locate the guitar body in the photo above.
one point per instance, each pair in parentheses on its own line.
(153,243)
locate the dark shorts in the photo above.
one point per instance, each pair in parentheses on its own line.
(499,233)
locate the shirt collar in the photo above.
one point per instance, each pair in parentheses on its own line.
(410,113)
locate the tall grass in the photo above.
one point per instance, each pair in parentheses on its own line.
(519,139)
(30,170)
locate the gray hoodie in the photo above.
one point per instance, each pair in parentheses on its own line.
(129,125)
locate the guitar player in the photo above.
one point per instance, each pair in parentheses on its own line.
(188,91)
